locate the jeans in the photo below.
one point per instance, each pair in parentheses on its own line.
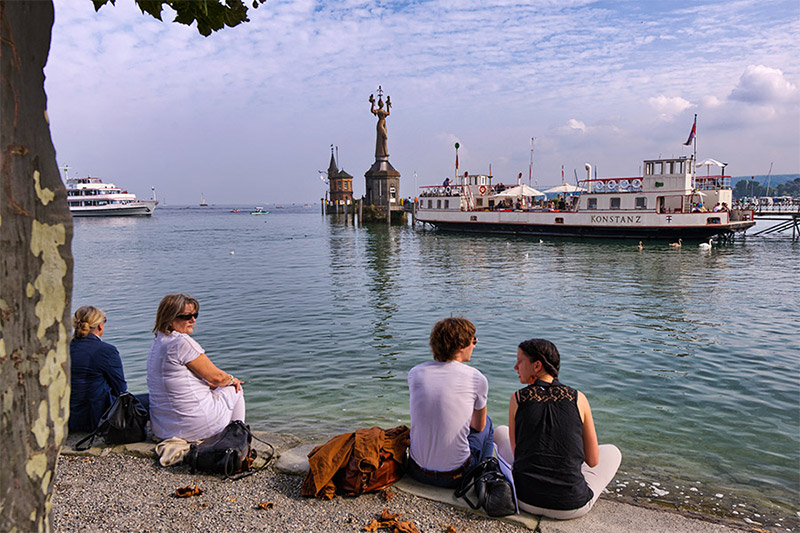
(480,448)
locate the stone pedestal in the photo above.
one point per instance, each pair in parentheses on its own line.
(383,184)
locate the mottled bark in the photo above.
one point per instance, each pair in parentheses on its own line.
(35,274)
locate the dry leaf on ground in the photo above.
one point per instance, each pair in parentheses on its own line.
(266,505)
(186,492)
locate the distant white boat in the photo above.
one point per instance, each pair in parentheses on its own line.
(259,211)
(90,197)
(203,202)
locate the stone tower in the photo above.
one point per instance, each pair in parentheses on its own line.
(341,184)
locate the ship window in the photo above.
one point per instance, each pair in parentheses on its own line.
(591,203)
(614,203)
(479,202)
(648,169)
(430,204)
(438,204)
(447,204)
(559,220)
(641,202)
(713,220)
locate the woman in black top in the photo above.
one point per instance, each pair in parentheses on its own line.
(559,469)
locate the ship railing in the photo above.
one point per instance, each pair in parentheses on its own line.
(708,183)
(612,185)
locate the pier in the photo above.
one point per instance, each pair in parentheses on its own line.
(785,216)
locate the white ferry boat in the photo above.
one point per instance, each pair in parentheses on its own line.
(668,202)
(90,197)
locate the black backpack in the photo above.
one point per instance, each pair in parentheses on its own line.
(493,492)
(124,422)
(228,452)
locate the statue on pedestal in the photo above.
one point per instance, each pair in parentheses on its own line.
(380,142)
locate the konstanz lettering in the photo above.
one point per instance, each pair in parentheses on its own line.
(616,219)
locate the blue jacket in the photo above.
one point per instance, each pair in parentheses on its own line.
(97,380)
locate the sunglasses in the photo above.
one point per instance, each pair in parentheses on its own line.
(474,340)
(188,316)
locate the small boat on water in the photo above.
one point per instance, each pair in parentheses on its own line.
(259,211)
(665,203)
(236,210)
(91,197)
(203,202)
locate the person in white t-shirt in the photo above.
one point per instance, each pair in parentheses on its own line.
(190,397)
(450,431)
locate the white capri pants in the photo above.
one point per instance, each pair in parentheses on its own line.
(597,477)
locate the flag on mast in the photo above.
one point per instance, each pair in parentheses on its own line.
(693,133)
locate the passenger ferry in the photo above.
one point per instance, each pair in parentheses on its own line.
(90,197)
(668,202)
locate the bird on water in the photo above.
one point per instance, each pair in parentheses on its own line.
(677,244)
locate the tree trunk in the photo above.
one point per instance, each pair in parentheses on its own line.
(35,274)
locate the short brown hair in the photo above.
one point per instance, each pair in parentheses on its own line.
(168,310)
(449,336)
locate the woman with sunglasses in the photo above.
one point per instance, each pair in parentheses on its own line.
(559,469)
(190,397)
(97,377)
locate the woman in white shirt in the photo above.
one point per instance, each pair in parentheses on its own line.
(190,397)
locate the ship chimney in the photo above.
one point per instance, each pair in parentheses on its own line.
(589,176)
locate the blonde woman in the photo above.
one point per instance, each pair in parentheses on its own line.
(97,375)
(190,397)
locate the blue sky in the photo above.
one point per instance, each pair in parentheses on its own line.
(248,114)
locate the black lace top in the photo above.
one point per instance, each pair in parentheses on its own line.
(549,447)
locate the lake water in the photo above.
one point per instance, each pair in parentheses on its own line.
(689,359)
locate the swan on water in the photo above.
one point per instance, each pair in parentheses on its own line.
(640,246)
(706,245)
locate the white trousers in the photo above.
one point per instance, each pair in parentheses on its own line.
(597,477)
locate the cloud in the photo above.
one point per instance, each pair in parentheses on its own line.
(667,107)
(764,86)
(574,125)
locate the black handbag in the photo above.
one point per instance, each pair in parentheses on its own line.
(493,491)
(228,452)
(124,422)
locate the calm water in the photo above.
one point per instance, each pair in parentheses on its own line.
(689,358)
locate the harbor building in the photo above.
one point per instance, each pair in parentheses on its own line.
(340,194)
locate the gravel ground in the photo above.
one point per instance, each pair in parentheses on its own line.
(116,492)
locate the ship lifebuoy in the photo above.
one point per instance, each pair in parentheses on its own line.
(636,183)
(623,185)
(611,185)
(599,186)
(482,189)
(447,191)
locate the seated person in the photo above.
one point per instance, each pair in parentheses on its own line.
(450,430)
(190,398)
(559,469)
(97,377)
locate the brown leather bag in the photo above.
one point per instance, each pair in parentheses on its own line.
(352,480)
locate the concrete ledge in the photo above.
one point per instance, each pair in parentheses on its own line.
(147,449)
(407,484)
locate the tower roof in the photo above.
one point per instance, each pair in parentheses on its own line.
(332,167)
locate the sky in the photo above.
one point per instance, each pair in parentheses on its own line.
(248,115)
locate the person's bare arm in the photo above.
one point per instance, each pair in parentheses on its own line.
(203,368)
(512,415)
(478,421)
(591,450)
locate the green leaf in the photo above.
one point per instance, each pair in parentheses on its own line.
(151,7)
